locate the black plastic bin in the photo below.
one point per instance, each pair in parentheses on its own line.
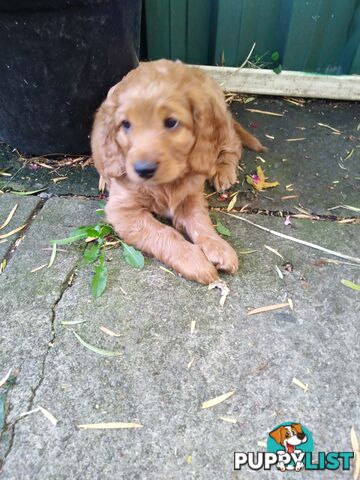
(58,59)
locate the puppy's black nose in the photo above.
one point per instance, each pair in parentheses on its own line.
(301,435)
(145,169)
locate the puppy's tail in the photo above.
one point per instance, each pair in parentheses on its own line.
(248,140)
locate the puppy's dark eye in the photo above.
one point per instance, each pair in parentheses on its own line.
(126,125)
(171,123)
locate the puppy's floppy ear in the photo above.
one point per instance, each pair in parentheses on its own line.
(210,123)
(106,152)
(277,435)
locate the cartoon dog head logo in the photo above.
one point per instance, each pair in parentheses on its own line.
(290,440)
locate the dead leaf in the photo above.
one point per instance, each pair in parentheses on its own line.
(9,217)
(48,415)
(228,419)
(109,425)
(12,232)
(232,203)
(254,110)
(36,269)
(299,383)
(273,250)
(5,379)
(268,308)
(109,332)
(217,400)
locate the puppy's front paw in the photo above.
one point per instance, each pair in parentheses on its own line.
(194,265)
(224,177)
(220,254)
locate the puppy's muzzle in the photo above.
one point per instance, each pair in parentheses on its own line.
(145,169)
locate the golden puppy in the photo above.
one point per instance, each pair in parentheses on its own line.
(160,133)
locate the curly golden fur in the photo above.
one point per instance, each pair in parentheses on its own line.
(160,133)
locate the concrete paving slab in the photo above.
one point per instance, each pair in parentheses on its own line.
(23,213)
(28,299)
(152,383)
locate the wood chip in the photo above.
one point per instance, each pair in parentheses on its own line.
(109,332)
(36,269)
(192,326)
(217,400)
(298,383)
(228,419)
(5,379)
(109,425)
(225,290)
(9,217)
(12,232)
(289,197)
(268,308)
(263,112)
(48,415)
(273,250)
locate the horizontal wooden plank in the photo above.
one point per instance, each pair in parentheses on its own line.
(287,83)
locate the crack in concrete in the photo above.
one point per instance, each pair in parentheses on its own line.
(67,283)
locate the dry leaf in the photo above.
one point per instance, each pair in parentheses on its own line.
(228,419)
(273,250)
(9,217)
(5,379)
(109,332)
(291,305)
(225,290)
(232,203)
(217,400)
(167,270)
(328,126)
(298,383)
(268,308)
(36,269)
(48,415)
(289,197)
(190,363)
(254,110)
(109,425)
(59,179)
(279,272)
(12,232)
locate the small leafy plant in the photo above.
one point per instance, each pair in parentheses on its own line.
(97,238)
